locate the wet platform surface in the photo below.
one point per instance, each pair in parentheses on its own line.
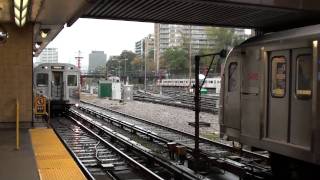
(16,165)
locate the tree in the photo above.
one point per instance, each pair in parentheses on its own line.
(112,67)
(100,70)
(137,63)
(122,64)
(125,58)
(176,59)
(223,38)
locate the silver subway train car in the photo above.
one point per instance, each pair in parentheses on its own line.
(271,98)
(59,83)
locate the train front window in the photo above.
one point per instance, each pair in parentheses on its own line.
(278,76)
(72,80)
(232,79)
(304,75)
(42,79)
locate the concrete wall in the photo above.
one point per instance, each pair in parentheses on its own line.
(16,73)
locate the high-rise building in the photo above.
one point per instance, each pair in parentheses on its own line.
(173,35)
(96,59)
(48,55)
(145,46)
(139,47)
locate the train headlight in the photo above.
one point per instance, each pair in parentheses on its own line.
(77,105)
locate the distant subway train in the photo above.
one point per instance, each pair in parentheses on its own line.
(58,82)
(271,99)
(210,83)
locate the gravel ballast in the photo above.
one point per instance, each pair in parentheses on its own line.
(169,116)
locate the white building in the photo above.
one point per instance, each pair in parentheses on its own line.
(48,55)
(173,35)
(145,45)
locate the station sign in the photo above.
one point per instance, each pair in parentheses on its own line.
(40,105)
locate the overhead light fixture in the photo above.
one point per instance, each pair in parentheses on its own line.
(44,33)
(20,12)
(37,45)
(3,35)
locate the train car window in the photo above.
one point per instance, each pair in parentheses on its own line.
(232,80)
(304,75)
(278,76)
(42,79)
(72,80)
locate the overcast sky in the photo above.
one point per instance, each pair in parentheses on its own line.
(105,35)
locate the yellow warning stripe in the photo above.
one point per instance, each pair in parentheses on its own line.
(53,161)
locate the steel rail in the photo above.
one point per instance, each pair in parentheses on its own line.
(178,99)
(131,160)
(145,152)
(202,139)
(240,168)
(173,103)
(134,163)
(74,156)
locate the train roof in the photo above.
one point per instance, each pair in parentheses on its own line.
(52,65)
(302,32)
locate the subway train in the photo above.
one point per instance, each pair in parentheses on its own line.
(270,99)
(211,83)
(59,83)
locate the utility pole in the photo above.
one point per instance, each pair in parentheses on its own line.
(196,108)
(190,56)
(119,70)
(157,47)
(222,54)
(78,59)
(125,70)
(145,73)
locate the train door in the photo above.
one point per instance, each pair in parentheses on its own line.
(232,98)
(289,97)
(57,85)
(279,72)
(301,105)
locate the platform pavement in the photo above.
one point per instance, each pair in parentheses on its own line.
(16,164)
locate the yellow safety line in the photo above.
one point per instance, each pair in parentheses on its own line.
(53,161)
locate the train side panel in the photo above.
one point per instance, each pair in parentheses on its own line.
(270,102)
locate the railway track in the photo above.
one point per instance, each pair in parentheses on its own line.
(240,162)
(99,157)
(104,153)
(178,99)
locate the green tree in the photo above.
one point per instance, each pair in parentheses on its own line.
(112,67)
(223,38)
(137,64)
(100,69)
(122,64)
(125,58)
(176,59)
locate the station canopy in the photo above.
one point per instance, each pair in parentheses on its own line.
(50,16)
(264,15)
